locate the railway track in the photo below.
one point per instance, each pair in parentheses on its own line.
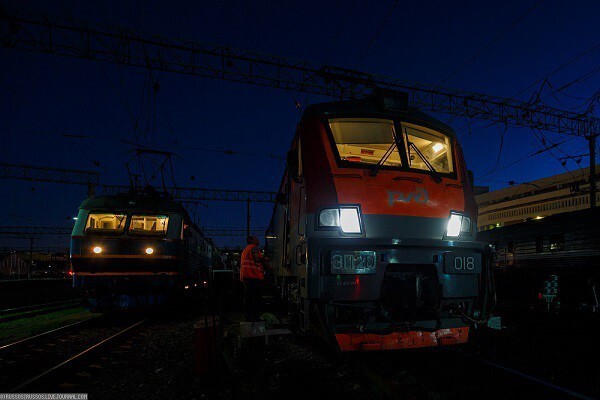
(447,373)
(44,335)
(11,314)
(30,364)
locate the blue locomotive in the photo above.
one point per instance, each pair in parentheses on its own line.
(137,249)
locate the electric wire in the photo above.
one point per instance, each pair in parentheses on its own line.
(488,44)
(387,16)
(136,143)
(559,68)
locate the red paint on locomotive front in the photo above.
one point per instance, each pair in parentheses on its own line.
(378,194)
(401,340)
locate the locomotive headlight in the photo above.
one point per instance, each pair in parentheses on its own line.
(97,249)
(329,217)
(346,217)
(458,224)
(149,250)
(349,220)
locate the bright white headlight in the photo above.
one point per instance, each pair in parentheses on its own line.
(97,249)
(454,224)
(349,220)
(329,217)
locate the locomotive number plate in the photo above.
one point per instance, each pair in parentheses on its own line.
(353,262)
(462,263)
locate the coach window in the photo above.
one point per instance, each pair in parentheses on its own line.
(557,241)
(539,244)
(511,247)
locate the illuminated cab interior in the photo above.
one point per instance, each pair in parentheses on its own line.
(114,224)
(375,141)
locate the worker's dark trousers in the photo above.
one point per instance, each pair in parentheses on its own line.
(252,298)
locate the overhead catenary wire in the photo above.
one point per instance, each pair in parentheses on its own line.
(536,153)
(376,35)
(559,68)
(135,143)
(542,139)
(492,41)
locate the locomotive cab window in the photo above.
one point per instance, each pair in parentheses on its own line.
(153,225)
(105,223)
(427,146)
(365,140)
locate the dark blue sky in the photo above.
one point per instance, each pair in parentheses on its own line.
(42,96)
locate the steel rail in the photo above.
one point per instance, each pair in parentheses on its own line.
(38,306)
(30,338)
(75,357)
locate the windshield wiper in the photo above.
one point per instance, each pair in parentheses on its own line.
(383,159)
(386,155)
(436,175)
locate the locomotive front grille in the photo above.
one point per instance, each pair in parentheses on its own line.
(410,291)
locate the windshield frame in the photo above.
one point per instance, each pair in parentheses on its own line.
(403,151)
(105,232)
(144,232)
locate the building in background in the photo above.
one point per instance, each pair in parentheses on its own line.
(15,264)
(534,200)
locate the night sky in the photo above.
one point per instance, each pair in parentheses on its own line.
(43,97)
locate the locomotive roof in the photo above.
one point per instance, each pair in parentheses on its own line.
(372,106)
(156,202)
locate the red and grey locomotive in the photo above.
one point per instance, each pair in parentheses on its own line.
(373,233)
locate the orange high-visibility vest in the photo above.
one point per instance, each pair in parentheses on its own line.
(248,268)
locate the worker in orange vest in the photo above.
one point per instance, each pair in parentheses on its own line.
(252,275)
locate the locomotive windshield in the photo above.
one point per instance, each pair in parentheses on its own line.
(373,141)
(365,140)
(432,146)
(154,225)
(105,223)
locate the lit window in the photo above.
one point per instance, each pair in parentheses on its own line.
(365,140)
(105,223)
(152,225)
(431,145)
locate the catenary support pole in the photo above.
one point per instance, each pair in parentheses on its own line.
(248,218)
(592,144)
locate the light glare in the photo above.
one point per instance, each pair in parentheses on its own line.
(349,220)
(97,249)
(437,147)
(330,217)
(149,250)
(454,224)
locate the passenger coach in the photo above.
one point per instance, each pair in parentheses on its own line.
(373,233)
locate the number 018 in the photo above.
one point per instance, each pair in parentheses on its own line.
(464,263)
